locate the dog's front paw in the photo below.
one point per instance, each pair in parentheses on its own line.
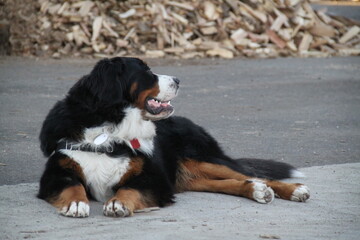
(261,192)
(77,209)
(300,194)
(114,208)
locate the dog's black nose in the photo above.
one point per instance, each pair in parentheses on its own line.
(176,80)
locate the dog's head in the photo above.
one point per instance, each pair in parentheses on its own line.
(130,82)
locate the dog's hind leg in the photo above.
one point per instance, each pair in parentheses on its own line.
(208,177)
(290,191)
(257,191)
(203,176)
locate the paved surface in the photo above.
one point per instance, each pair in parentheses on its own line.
(302,111)
(346,9)
(331,213)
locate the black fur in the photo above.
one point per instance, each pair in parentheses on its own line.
(101,97)
(96,98)
(180,138)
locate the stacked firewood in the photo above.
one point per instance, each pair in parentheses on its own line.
(183,29)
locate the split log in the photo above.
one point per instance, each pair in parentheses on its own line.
(182,29)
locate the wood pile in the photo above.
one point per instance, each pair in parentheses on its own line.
(184,29)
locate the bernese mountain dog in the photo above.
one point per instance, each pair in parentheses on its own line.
(113,139)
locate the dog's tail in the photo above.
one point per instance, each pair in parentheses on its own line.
(261,168)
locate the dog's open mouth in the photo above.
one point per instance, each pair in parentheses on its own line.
(155,106)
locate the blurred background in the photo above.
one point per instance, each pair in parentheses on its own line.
(184,29)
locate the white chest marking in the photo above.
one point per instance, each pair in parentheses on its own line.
(101,172)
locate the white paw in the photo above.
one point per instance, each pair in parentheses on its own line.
(262,193)
(116,209)
(76,209)
(301,194)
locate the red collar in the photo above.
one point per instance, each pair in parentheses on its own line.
(135,143)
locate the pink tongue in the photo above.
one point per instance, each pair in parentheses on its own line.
(156,104)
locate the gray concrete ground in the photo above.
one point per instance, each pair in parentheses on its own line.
(349,9)
(331,213)
(302,111)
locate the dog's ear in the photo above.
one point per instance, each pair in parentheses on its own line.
(107,82)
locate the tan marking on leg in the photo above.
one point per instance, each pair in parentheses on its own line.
(192,169)
(71,194)
(125,202)
(202,176)
(132,199)
(228,186)
(213,171)
(68,163)
(135,168)
(252,190)
(185,175)
(283,190)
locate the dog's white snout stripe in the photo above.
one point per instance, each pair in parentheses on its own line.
(168,86)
